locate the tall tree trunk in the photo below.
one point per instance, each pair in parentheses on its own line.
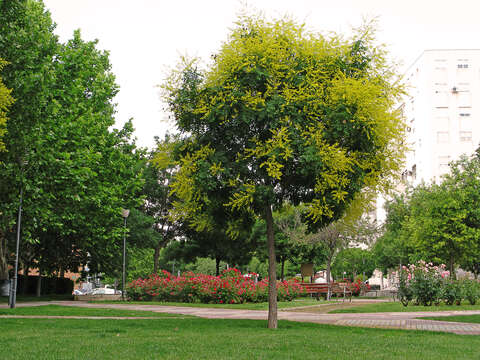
(26,269)
(452,268)
(217,266)
(329,264)
(3,257)
(381,280)
(156,256)
(39,284)
(282,275)
(272,271)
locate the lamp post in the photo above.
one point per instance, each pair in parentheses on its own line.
(13,285)
(125,213)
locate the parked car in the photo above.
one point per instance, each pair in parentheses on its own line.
(107,290)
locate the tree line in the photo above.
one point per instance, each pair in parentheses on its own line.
(281,117)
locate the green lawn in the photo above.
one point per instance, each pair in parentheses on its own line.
(457,318)
(196,338)
(398,307)
(56,310)
(29,298)
(246,306)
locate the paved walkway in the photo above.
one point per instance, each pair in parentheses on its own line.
(398,320)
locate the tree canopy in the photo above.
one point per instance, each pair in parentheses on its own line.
(284,114)
(76,173)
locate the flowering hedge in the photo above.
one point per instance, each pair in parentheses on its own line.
(426,284)
(231,287)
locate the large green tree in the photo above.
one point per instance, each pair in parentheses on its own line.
(284,114)
(27,42)
(75,172)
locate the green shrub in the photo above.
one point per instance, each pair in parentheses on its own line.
(471,291)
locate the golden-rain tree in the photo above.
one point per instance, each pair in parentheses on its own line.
(284,114)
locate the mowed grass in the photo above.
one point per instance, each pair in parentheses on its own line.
(196,338)
(57,310)
(456,318)
(247,306)
(397,307)
(30,298)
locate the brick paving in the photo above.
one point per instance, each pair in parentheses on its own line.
(400,320)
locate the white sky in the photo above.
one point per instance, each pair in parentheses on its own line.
(146,37)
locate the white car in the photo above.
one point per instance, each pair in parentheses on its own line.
(104,291)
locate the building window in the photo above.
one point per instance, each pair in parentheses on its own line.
(441,99)
(465,136)
(440,75)
(464,99)
(442,137)
(442,123)
(443,164)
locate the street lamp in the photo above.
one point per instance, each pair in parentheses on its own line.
(125,213)
(13,286)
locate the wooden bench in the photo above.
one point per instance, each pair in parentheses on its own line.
(323,289)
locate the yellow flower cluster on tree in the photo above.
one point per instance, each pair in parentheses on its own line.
(5,101)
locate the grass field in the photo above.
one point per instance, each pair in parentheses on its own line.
(29,298)
(195,338)
(393,307)
(457,318)
(247,306)
(56,310)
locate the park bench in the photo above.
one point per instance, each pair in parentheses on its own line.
(323,289)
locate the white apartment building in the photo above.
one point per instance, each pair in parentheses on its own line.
(442,113)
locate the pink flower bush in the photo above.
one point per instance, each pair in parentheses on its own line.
(231,287)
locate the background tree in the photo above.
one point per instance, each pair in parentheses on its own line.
(285,114)
(159,171)
(353,262)
(393,247)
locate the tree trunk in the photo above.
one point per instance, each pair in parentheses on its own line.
(329,264)
(217,266)
(26,269)
(282,275)
(3,257)
(452,268)
(381,280)
(272,271)
(156,256)
(39,284)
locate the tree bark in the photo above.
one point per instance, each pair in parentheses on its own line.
(272,271)
(3,257)
(217,266)
(329,264)
(282,275)
(39,284)
(452,268)
(26,269)
(156,256)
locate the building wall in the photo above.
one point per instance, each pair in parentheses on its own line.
(442,111)
(442,114)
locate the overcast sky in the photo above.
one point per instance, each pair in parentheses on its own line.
(146,37)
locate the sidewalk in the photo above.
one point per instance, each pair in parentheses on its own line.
(400,320)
